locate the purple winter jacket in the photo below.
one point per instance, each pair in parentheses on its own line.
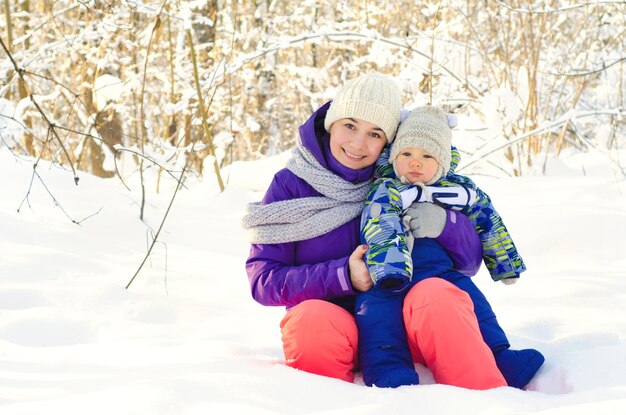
(288,273)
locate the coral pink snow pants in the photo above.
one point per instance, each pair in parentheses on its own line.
(320,337)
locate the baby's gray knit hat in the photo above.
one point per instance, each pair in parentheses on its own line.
(372,97)
(427,128)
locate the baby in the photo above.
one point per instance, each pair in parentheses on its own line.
(419,167)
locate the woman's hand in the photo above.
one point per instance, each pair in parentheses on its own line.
(359,275)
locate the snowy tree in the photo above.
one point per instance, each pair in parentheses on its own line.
(108,87)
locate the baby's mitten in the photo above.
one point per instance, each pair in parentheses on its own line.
(427,220)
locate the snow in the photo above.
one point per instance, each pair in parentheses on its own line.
(187,338)
(107,88)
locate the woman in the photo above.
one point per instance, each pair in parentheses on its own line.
(306,254)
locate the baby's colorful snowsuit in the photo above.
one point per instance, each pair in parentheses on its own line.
(381,225)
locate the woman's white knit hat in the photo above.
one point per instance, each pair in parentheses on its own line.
(372,97)
(427,128)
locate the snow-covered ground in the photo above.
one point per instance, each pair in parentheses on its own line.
(186,337)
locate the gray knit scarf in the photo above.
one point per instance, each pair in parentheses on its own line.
(307,217)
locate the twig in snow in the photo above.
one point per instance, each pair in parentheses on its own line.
(167,211)
(54,199)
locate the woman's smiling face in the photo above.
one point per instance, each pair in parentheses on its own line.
(356,143)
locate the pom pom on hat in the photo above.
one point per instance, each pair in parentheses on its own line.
(372,97)
(453,120)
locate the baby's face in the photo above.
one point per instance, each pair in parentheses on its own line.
(416,165)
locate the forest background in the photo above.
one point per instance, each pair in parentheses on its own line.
(205,97)
(113,87)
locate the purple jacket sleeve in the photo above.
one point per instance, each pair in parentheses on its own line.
(274,274)
(460,240)
(275,280)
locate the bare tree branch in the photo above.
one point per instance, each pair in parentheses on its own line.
(584,72)
(559,9)
(43,114)
(549,126)
(369,36)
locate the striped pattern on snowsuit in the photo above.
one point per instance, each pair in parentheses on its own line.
(388,258)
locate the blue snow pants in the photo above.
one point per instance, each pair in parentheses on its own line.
(383,344)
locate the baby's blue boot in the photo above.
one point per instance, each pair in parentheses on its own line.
(519,366)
